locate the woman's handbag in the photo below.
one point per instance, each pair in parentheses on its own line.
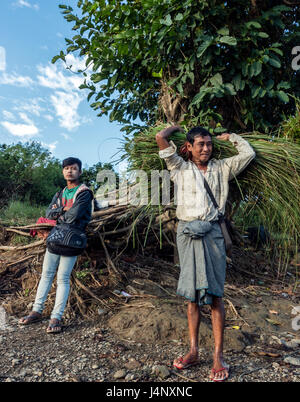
(224,223)
(65,239)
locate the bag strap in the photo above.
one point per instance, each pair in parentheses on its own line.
(206,185)
(210,194)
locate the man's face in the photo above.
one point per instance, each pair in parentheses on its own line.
(71,172)
(201,149)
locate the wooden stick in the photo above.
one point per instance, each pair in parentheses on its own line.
(22,260)
(86,289)
(11,248)
(18,232)
(33,226)
(109,210)
(109,260)
(182,376)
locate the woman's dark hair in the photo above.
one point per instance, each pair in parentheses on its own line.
(194,132)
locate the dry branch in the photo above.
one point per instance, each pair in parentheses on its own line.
(87,290)
(27,246)
(17,231)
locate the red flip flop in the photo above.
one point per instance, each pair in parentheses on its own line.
(184,364)
(224,368)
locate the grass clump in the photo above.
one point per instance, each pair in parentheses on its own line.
(19,213)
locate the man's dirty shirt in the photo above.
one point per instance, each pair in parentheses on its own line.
(191,197)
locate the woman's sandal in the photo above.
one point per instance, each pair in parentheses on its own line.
(54,327)
(30,318)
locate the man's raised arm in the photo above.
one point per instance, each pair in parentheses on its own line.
(167,150)
(162,136)
(236,164)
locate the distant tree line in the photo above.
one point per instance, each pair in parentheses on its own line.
(30,173)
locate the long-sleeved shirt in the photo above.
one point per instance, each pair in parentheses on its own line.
(191,198)
(80,212)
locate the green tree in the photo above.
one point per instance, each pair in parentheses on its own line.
(89,175)
(225,61)
(28,172)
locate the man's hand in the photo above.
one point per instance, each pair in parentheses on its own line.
(43,234)
(66,208)
(162,136)
(223,137)
(166,132)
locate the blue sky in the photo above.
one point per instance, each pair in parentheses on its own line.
(39,100)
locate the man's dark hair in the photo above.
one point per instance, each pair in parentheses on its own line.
(72,161)
(194,132)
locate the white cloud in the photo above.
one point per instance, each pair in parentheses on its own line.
(52,77)
(2,58)
(20,130)
(67,96)
(24,3)
(25,118)
(66,136)
(48,117)
(8,115)
(66,105)
(15,79)
(76,63)
(31,106)
(51,146)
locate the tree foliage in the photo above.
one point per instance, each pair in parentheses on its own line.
(171,60)
(89,175)
(28,172)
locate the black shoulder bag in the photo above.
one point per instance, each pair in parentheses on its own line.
(223,222)
(66,239)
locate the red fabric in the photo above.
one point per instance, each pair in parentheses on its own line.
(33,232)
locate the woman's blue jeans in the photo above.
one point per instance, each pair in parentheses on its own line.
(50,264)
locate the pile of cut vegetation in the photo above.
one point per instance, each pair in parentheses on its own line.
(266,194)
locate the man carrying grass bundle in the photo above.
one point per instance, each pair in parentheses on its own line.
(200,241)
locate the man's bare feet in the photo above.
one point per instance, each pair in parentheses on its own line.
(220,370)
(190,359)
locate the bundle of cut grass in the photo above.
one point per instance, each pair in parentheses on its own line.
(267,193)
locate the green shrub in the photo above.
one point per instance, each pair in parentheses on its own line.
(21,213)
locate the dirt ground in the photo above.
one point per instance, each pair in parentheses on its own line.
(138,340)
